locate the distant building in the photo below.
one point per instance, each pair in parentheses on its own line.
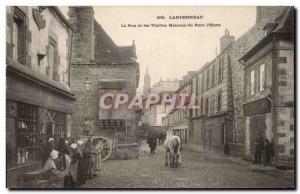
(177,120)
(38,96)
(219,85)
(152,118)
(98,67)
(269,89)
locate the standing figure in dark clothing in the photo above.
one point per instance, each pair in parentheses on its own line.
(81,164)
(259,145)
(152,143)
(269,151)
(87,157)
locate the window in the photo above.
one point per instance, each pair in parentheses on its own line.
(201,106)
(212,105)
(219,101)
(220,71)
(203,86)
(261,77)
(19,36)
(213,75)
(199,84)
(26,134)
(252,82)
(60,126)
(206,105)
(207,78)
(282,60)
(52,60)
(112,124)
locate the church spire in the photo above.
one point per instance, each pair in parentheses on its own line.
(147,82)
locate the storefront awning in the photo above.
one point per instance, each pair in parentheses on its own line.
(257,107)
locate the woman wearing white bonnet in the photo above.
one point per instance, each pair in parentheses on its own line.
(50,163)
(80,142)
(74,146)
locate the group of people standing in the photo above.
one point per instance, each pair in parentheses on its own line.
(263,144)
(154,138)
(74,162)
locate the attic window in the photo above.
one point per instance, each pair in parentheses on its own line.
(269,27)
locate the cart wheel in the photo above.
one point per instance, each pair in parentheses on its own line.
(104,147)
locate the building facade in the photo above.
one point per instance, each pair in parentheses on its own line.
(219,123)
(269,89)
(152,117)
(177,119)
(99,67)
(38,97)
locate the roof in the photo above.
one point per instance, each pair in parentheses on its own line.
(284,24)
(107,52)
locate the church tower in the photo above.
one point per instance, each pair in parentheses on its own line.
(147,82)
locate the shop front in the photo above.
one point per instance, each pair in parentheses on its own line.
(36,109)
(258,122)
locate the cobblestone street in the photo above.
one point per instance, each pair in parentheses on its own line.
(197,171)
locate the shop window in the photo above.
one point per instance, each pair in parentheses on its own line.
(252,82)
(59,126)
(261,77)
(26,134)
(19,35)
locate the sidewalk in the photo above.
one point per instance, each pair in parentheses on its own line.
(260,168)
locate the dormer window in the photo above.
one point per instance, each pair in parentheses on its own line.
(269,27)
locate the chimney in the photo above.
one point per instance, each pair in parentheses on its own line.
(82,21)
(226,40)
(268,14)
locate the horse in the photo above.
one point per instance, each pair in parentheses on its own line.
(172,146)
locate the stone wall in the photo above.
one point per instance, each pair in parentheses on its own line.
(82,21)
(87,104)
(37,42)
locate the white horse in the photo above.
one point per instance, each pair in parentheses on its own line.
(172,146)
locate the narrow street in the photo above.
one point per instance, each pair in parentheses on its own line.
(197,171)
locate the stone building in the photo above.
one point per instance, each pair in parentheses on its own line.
(269,89)
(38,96)
(177,119)
(219,123)
(99,67)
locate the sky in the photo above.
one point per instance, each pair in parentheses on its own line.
(170,52)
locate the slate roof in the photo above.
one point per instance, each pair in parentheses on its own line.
(107,52)
(284,23)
